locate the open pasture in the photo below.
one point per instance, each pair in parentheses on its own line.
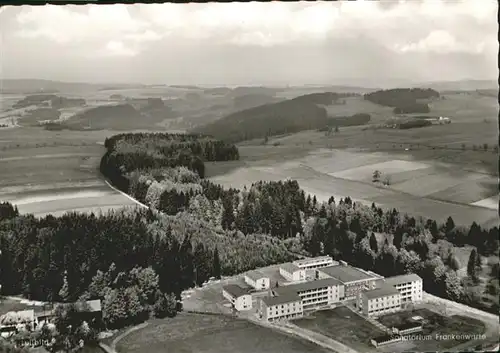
(96,199)
(476,189)
(386,168)
(7,101)
(211,334)
(430,180)
(490,202)
(466,107)
(45,172)
(318,174)
(357,105)
(337,161)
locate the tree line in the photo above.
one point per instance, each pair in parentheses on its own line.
(353,120)
(403,100)
(324,98)
(288,116)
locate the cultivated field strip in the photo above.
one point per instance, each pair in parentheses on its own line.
(490,202)
(429,179)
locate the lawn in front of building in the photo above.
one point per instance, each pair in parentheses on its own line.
(342,325)
(211,334)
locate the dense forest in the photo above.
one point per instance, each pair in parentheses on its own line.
(324,98)
(403,100)
(248,101)
(137,261)
(353,120)
(267,120)
(304,112)
(412,108)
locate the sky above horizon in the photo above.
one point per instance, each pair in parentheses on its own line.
(361,42)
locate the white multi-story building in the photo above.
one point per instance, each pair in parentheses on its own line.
(379,301)
(314,294)
(237,296)
(315,262)
(353,279)
(292,272)
(283,307)
(257,280)
(410,287)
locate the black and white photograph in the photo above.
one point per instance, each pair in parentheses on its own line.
(249,177)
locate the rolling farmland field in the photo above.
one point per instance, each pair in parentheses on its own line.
(45,172)
(427,189)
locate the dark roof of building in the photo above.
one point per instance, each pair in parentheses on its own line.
(383,291)
(255,275)
(303,286)
(408,325)
(308,260)
(410,277)
(281,299)
(290,267)
(234,290)
(385,338)
(346,274)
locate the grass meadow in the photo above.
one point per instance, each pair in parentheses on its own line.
(45,172)
(188,333)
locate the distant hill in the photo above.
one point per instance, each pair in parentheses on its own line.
(31,86)
(49,100)
(186,87)
(288,116)
(122,117)
(324,98)
(248,101)
(338,88)
(463,85)
(247,90)
(217,91)
(136,114)
(488,92)
(34,117)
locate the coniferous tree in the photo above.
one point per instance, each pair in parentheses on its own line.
(398,237)
(186,263)
(471,265)
(450,225)
(216,264)
(452,262)
(373,243)
(479,260)
(202,264)
(322,212)
(228,213)
(64,291)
